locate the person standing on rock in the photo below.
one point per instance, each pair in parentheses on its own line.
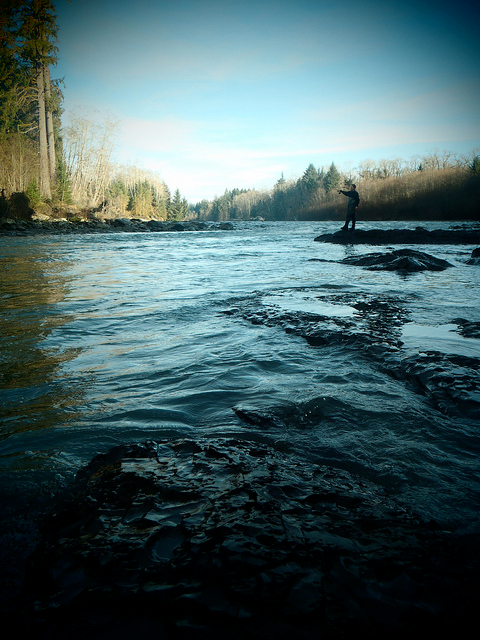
(352,206)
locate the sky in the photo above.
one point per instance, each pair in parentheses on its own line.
(214,95)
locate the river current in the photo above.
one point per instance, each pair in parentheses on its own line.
(123,337)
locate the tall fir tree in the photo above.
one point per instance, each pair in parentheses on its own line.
(309,179)
(36,35)
(333,178)
(178,207)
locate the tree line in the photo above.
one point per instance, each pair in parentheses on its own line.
(56,167)
(435,186)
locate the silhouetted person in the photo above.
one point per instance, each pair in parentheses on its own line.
(352,206)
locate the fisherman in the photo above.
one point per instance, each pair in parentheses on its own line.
(352,206)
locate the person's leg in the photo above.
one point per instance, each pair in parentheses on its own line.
(349,217)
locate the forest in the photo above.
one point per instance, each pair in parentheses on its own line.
(54,171)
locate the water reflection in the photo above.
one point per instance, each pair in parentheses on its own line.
(34,392)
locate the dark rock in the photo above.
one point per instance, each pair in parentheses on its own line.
(399,260)
(195,539)
(419,235)
(8,224)
(475,257)
(19,206)
(224,226)
(4,207)
(156,225)
(467,328)
(451,382)
(121,222)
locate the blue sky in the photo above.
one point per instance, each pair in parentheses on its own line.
(219,95)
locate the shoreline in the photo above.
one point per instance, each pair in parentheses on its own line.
(13,227)
(418,235)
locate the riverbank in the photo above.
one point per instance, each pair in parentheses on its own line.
(13,227)
(461,234)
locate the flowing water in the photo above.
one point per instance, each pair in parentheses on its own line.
(123,337)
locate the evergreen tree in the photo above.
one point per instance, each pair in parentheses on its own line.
(33,193)
(13,84)
(310,178)
(28,100)
(63,185)
(36,33)
(141,201)
(281,182)
(224,206)
(333,179)
(178,207)
(475,165)
(159,205)
(280,199)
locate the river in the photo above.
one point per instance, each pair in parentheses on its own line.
(115,338)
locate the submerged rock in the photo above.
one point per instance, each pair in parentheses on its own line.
(202,538)
(419,235)
(467,329)
(399,260)
(451,383)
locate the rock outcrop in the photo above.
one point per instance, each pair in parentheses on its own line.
(406,260)
(419,235)
(207,538)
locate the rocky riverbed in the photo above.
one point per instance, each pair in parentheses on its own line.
(451,382)
(207,537)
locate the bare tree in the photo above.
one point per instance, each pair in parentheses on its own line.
(88,145)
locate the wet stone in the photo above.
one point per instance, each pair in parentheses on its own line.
(475,257)
(404,260)
(299,549)
(467,328)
